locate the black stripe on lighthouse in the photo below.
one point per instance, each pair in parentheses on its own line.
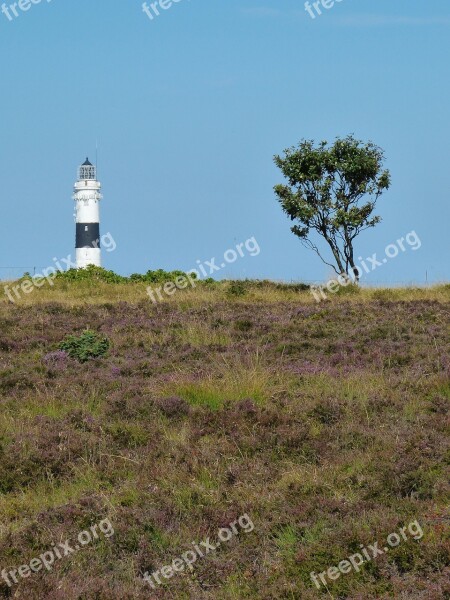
(88,235)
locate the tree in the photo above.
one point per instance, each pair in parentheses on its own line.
(333,191)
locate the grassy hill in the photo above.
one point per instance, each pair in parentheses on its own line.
(310,431)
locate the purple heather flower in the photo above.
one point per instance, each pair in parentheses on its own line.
(55,358)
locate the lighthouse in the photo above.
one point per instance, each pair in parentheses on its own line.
(87,216)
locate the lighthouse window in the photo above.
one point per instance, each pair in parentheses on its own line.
(87,173)
(86,228)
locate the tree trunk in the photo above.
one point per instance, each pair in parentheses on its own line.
(354,269)
(336,255)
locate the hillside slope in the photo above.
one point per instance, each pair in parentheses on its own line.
(310,431)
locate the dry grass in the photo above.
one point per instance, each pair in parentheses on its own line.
(85,293)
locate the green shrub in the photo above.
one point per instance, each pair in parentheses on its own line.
(93,273)
(236,288)
(86,346)
(159,276)
(293,287)
(90,273)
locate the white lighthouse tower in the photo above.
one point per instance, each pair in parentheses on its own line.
(87,216)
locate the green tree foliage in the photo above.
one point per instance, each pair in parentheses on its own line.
(332,191)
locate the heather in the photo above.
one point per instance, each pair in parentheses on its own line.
(326,423)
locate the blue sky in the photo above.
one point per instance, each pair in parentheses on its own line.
(189,109)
